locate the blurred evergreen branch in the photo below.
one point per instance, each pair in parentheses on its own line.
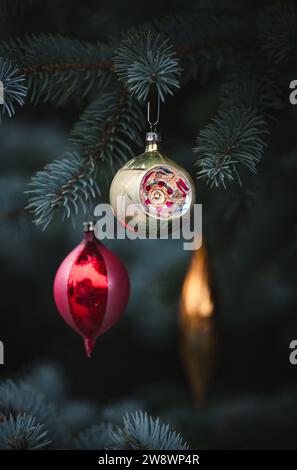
(204,42)
(277,31)
(21,399)
(47,380)
(142,432)
(28,421)
(252,84)
(78,415)
(114,413)
(22,433)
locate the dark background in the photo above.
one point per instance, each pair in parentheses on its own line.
(251,234)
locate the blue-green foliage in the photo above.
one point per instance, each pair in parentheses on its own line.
(60,68)
(233,139)
(109,127)
(146,60)
(29,421)
(66,184)
(13,86)
(103,136)
(17,400)
(142,432)
(22,433)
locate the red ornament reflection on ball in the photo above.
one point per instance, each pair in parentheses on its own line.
(91,289)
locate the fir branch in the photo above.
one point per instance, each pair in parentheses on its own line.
(145,61)
(22,433)
(232,139)
(108,127)
(96,437)
(12,49)
(100,137)
(277,32)
(20,400)
(66,184)
(59,68)
(14,89)
(203,41)
(114,412)
(66,67)
(142,432)
(251,84)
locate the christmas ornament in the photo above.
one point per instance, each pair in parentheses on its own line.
(198,335)
(159,190)
(91,289)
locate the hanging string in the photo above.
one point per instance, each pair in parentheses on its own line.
(153,124)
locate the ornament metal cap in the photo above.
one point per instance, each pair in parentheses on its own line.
(153,137)
(89,226)
(152,141)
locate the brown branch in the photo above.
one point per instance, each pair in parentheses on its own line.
(67,186)
(181,51)
(109,131)
(14,215)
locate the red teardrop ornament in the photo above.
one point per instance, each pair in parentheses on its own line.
(91,289)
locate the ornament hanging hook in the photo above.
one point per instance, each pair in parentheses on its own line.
(153,125)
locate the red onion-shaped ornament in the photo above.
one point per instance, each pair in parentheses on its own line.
(91,289)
